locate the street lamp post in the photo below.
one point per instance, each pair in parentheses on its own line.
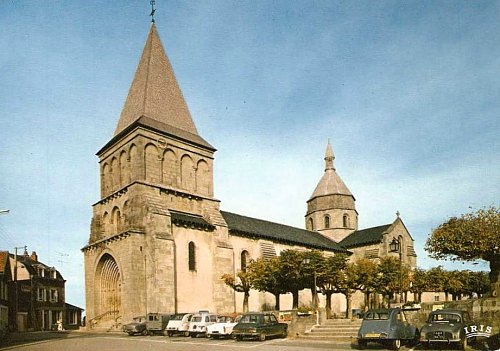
(396,246)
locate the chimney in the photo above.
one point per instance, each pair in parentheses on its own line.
(34,256)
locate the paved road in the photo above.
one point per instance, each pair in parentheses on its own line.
(80,341)
(83,341)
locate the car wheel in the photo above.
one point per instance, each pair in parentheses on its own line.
(186,334)
(151,333)
(362,344)
(396,344)
(144,332)
(193,335)
(130,333)
(285,333)
(416,338)
(239,338)
(262,336)
(170,333)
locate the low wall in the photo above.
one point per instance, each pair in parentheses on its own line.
(484,311)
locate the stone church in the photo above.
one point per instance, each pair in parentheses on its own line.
(159,241)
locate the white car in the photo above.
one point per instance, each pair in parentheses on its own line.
(200,322)
(223,327)
(179,324)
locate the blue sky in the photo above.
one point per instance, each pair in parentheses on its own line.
(408,92)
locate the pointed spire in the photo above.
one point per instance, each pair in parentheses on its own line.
(329,157)
(330,183)
(154,92)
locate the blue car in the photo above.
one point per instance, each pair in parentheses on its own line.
(389,327)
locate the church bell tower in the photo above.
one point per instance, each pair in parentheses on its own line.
(331,209)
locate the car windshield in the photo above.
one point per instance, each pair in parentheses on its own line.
(376,315)
(177,317)
(196,319)
(444,318)
(251,318)
(224,319)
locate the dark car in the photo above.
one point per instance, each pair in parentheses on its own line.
(259,325)
(137,326)
(389,327)
(446,327)
(156,322)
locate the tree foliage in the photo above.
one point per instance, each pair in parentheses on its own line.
(240,283)
(470,237)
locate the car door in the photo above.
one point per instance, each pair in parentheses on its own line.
(274,325)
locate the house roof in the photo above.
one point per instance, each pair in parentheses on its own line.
(72,307)
(32,265)
(364,237)
(261,229)
(154,91)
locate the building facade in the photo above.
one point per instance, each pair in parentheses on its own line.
(38,293)
(158,240)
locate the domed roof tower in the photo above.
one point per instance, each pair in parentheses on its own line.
(331,209)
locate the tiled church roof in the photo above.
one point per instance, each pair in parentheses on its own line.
(364,237)
(154,91)
(258,228)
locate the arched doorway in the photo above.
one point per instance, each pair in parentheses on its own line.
(107,288)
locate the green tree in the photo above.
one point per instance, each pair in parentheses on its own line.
(367,271)
(293,273)
(470,237)
(329,276)
(240,283)
(265,275)
(313,265)
(392,277)
(436,279)
(348,283)
(419,283)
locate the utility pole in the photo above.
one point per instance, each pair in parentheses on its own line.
(15,280)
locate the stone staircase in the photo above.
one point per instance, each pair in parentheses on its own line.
(334,330)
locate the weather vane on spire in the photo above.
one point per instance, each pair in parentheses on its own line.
(153,10)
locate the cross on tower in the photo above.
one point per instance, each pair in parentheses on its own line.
(153,10)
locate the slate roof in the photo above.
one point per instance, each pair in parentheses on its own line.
(261,229)
(181,218)
(364,237)
(167,129)
(31,265)
(154,91)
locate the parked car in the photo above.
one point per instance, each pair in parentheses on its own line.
(156,322)
(199,323)
(446,326)
(389,327)
(179,324)
(259,325)
(137,326)
(224,326)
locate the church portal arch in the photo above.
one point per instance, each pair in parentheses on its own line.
(107,288)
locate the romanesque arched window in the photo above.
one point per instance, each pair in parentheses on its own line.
(244,260)
(192,256)
(152,164)
(310,224)
(203,178)
(327,221)
(187,173)
(345,221)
